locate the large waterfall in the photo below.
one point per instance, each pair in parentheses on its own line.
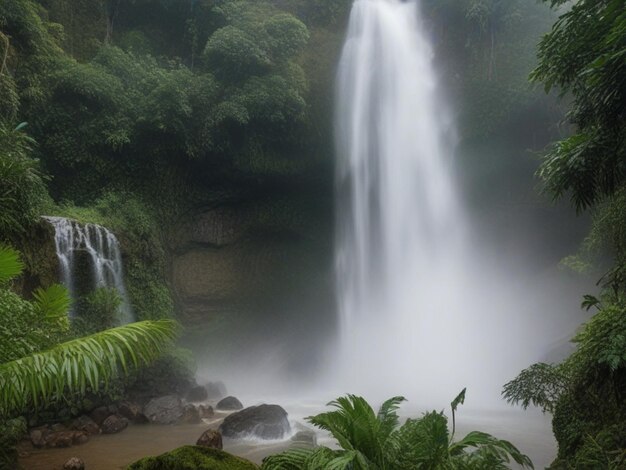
(402,279)
(102,251)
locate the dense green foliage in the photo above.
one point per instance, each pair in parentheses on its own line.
(585,55)
(23,193)
(194,458)
(26,327)
(370,440)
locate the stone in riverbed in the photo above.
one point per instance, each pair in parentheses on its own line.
(132,412)
(263,421)
(85,423)
(65,438)
(114,424)
(229,404)
(210,438)
(164,410)
(191,415)
(206,411)
(74,464)
(100,414)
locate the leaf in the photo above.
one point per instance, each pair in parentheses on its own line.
(459,400)
(10,263)
(69,367)
(53,302)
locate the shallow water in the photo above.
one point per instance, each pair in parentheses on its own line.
(529,430)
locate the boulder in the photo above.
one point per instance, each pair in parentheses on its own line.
(74,464)
(164,410)
(85,423)
(263,422)
(132,412)
(38,436)
(305,439)
(210,438)
(194,458)
(206,411)
(197,393)
(100,414)
(114,424)
(191,415)
(229,404)
(65,438)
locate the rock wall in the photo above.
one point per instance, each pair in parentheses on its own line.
(233,256)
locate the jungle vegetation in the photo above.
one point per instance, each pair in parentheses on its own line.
(133,114)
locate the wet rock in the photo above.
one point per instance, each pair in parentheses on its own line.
(197,393)
(164,410)
(206,411)
(56,427)
(100,414)
(132,412)
(38,436)
(215,390)
(191,415)
(263,421)
(229,404)
(305,439)
(210,438)
(114,424)
(85,423)
(65,438)
(74,464)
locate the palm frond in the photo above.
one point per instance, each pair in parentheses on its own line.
(10,263)
(89,362)
(492,446)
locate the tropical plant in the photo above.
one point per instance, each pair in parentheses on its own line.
(585,56)
(87,363)
(23,191)
(371,441)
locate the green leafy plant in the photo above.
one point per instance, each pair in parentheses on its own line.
(90,362)
(371,441)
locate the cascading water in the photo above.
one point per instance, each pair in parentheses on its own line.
(103,251)
(410,288)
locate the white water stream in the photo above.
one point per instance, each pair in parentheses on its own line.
(103,250)
(424,308)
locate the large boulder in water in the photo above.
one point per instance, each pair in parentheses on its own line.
(164,410)
(263,422)
(194,458)
(229,404)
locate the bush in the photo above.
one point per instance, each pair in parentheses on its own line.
(97,311)
(194,458)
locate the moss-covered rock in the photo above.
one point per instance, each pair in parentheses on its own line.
(194,458)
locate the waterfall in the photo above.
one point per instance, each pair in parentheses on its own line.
(103,251)
(400,228)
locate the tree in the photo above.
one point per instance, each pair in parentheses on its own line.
(585,57)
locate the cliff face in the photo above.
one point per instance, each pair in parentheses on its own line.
(39,255)
(237,257)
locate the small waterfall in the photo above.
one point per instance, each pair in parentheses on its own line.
(103,251)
